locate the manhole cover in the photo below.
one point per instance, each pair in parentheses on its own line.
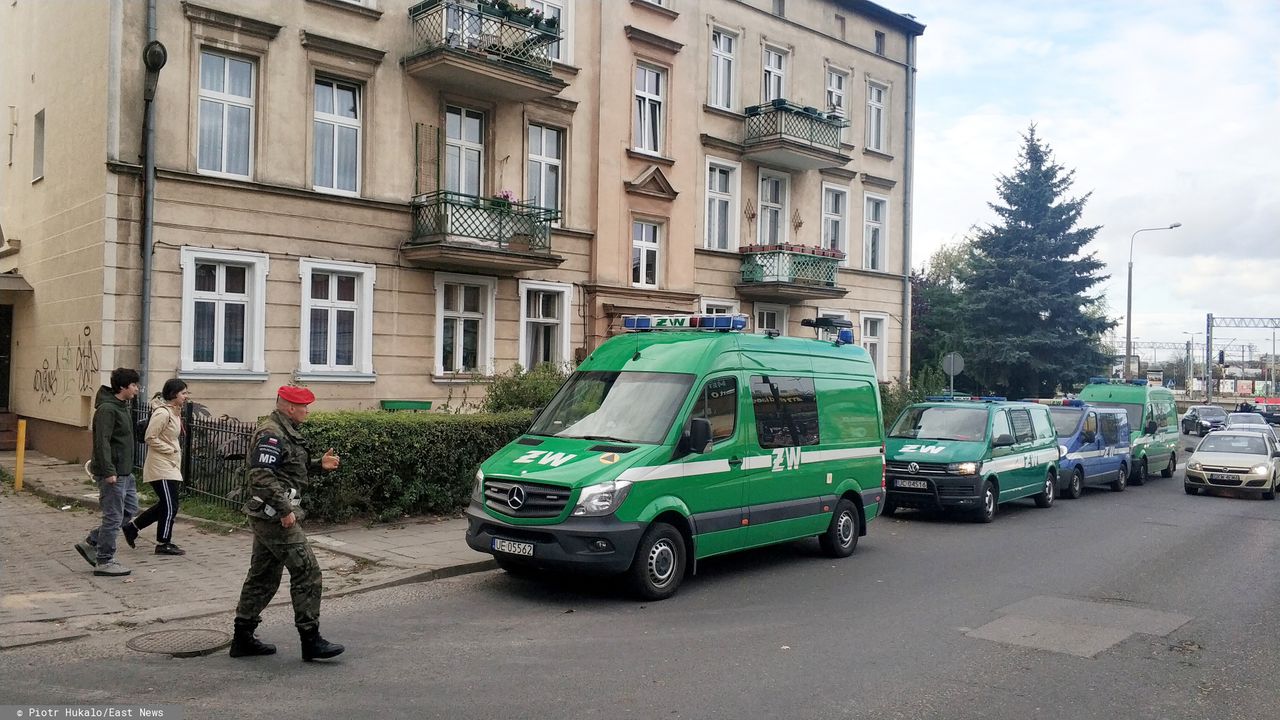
(181,643)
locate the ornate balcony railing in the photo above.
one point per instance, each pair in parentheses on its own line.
(517,39)
(783,120)
(790,264)
(444,216)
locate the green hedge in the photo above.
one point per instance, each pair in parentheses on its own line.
(402,463)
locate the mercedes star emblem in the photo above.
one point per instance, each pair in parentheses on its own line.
(515,497)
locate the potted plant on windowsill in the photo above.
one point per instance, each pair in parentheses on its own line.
(502,200)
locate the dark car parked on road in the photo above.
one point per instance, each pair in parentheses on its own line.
(1200,419)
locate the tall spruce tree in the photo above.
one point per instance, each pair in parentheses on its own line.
(1030,322)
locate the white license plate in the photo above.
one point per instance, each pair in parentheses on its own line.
(1223,476)
(916,484)
(513,547)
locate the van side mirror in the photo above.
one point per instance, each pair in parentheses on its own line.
(1152,427)
(1005,440)
(699,435)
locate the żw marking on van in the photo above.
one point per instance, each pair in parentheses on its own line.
(786,458)
(544,457)
(924,449)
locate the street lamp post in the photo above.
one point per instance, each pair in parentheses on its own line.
(1191,360)
(1128,310)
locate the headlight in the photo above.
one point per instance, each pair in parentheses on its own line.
(965,468)
(1205,423)
(1259,470)
(477,488)
(601,499)
(1193,465)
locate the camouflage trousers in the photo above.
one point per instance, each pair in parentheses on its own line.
(274,549)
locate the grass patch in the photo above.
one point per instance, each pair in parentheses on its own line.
(200,507)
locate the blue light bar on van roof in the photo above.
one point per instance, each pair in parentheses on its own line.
(1096,380)
(1057,402)
(1138,381)
(723,323)
(963,398)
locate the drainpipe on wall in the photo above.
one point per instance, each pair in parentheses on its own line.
(153,57)
(908,163)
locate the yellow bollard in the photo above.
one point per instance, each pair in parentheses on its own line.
(22,454)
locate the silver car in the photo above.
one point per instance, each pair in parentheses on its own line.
(1239,459)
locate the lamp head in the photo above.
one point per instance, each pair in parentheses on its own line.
(1175,225)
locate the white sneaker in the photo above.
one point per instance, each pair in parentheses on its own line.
(111,569)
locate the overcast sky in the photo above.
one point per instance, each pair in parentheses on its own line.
(1167,111)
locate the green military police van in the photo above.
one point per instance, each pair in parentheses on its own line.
(961,453)
(1153,422)
(685,438)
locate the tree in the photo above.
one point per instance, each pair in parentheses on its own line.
(935,295)
(1030,324)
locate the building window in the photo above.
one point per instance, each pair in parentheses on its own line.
(226,115)
(780,8)
(337,317)
(830,334)
(548,9)
(873,341)
(874,225)
(37,149)
(223,307)
(775,74)
(546,166)
(879,43)
(724,46)
(464,323)
(877,132)
(650,90)
(717,306)
(722,204)
(835,214)
(337,136)
(770,319)
(463,151)
(773,208)
(644,254)
(544,323)
(837,80)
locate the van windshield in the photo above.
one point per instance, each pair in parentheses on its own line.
(1065,420)
(941,423)
(1133,410)
(635,407)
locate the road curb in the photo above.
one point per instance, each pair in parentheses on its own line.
(41,639)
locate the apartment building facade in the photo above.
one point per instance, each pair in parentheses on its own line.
(385,200)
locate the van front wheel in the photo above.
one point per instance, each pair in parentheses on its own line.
(658,567)
(990,498)
(841,537)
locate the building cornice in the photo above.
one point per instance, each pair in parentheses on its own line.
(230,21)
(342,48)
(657,9)
(350,7)
(877,181)
(653,40)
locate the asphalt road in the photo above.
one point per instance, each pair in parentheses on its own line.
(1142,604)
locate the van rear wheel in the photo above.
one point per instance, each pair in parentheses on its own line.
(658,567)
(1075,488)
(1045,498)
(841,537)
(1173,465)
(1122,479)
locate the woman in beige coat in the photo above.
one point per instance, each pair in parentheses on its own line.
(162,469)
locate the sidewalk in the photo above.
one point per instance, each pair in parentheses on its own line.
(49,594)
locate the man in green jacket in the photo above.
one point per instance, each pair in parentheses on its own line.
(279,470)
(112,470)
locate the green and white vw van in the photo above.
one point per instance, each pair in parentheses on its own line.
(682,439)
(961,453)
(1153,423)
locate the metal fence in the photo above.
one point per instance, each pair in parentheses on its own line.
(789,122)
(502,224)
(516,40)
(789,267)
(213,454)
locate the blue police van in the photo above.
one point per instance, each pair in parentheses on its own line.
(1094,445)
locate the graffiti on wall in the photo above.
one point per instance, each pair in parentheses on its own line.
(73,369)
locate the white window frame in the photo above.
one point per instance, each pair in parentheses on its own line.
(463,146)
(732,197)
(869,227)
(560,51)
(255,364)
(647,105)
(768,72)
(37,146)
(226,99)
(781,310)
(828,217)
(536,157)
(362,350)
(565,290)
(784,209)
(718,306)
(838,89)
(646,247)
(339,121)
(824,333)
(877,116)
(881,353)
(489,292)
(728,62)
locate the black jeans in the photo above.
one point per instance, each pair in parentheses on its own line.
(163,512)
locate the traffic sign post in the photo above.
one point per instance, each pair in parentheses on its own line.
(952,365)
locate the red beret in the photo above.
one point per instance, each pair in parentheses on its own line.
(296,395)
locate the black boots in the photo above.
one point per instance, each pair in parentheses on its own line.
(244,644)
(315,647)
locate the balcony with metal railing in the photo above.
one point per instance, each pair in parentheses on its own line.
(786,135)
(452,231)
(790,272)
(483,49)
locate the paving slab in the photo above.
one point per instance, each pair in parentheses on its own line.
(1130,618)
(1084,641)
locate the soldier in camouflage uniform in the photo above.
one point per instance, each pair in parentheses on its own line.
(279,467)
